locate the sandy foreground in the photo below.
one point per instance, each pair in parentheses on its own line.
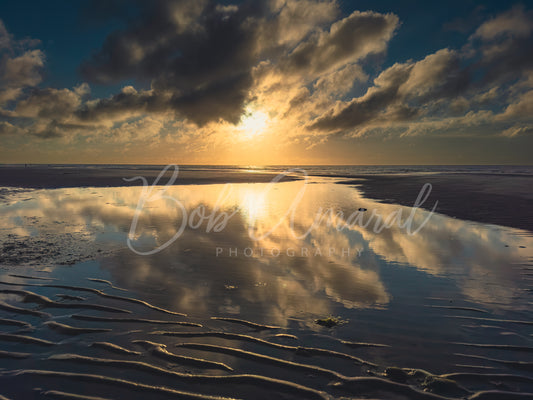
(442,315)
(98,341)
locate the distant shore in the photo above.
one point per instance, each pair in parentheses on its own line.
(488,198)
(53,177)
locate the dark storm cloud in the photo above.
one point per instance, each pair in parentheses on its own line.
(195,58)
(192,52)
(127,101)
(199,56)
(221,99)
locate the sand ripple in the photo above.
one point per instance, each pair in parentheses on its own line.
(223,358)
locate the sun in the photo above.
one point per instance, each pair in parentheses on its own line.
(253,123)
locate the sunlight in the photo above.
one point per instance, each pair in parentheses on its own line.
(253,123)
(254,204)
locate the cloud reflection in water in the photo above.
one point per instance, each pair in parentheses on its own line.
(306,278)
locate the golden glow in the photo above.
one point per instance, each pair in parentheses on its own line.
(254,203)
(253,123)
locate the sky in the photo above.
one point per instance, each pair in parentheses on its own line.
(265,82)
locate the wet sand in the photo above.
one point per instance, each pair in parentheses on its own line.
(188,324)
(52,177)
(493,199)
(217,358)
(487,198)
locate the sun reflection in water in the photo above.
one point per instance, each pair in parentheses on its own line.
(254,204)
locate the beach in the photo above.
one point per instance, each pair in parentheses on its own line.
(263,200)
(489,198)
(330,286)
(49,177)
(492,198)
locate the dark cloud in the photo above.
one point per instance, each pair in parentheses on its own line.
(222,99)
(198,62)
(199,57)
(439,75)
(190,51)
(121,105)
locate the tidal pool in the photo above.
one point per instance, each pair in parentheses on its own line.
(425,292)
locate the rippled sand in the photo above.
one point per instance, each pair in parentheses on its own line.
(215,358)
(446,314)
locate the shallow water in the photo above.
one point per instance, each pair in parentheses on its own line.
(456,296)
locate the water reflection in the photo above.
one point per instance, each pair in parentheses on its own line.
(281,276)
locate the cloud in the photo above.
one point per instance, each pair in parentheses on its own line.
(200,59)
(368,107)
(202,62)
(399,92)
(502,46)
(434,91)
(437,75)
(127,103)
(515,22)
(5,37)
(49,103)
(303,63)
(20,67)
(48,130)
(340,81)
(523,107)
(190,51)
(517,130)
(295,20)
(23,70)
(347,41)
(8,129)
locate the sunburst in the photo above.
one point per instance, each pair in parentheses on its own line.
(253,123)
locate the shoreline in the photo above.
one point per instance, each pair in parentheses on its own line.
(303,314)
(69,177)
(481,197)
(485,198)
